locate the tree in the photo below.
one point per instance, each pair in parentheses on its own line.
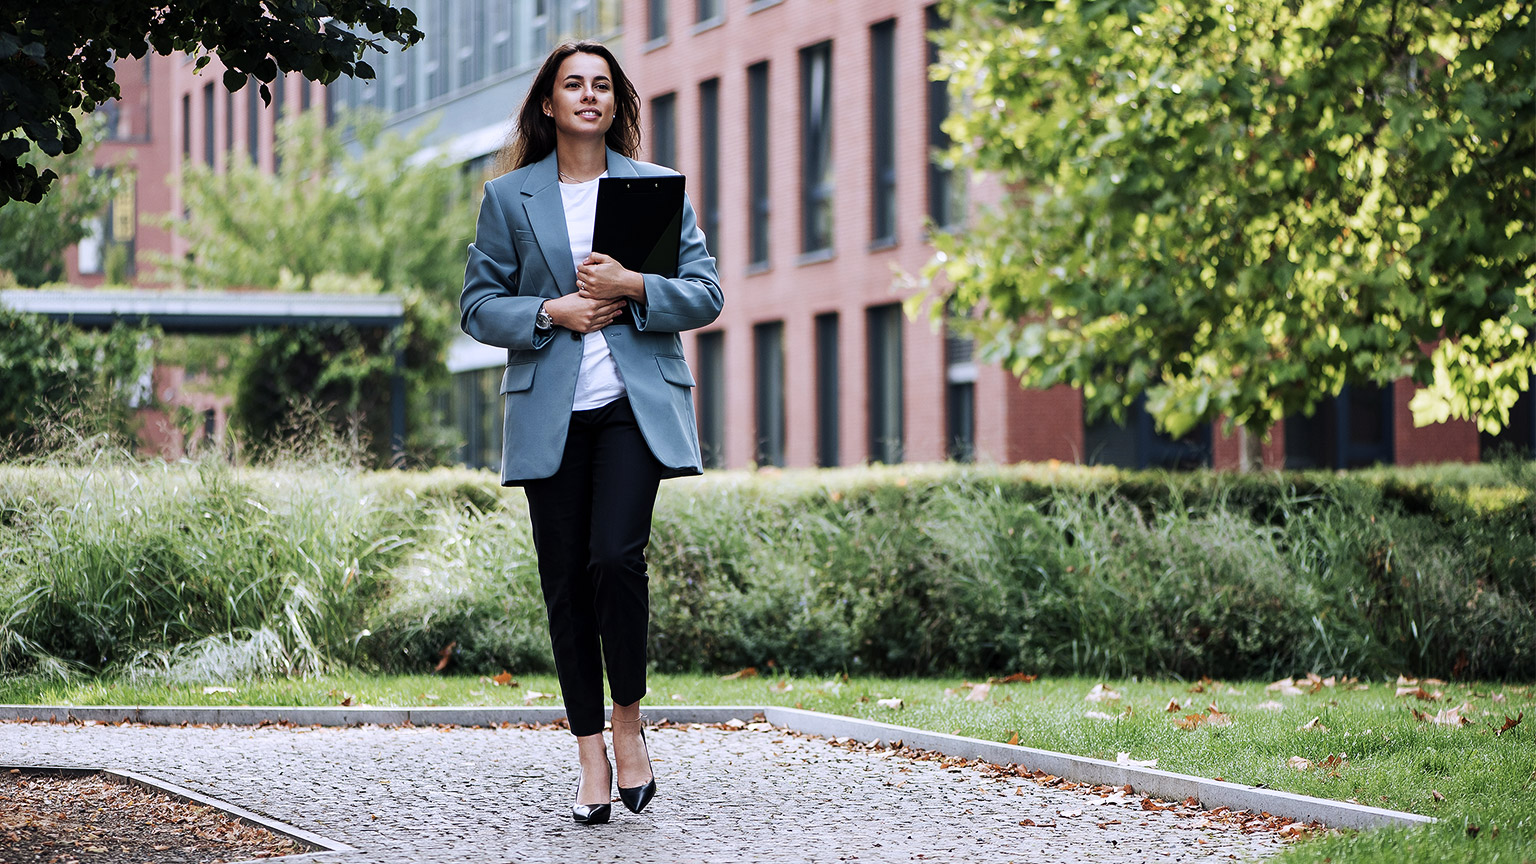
(56,58)
(1236,208)
(365,215)
(33,239)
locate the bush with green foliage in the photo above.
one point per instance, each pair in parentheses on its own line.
(60,384)
(205,570)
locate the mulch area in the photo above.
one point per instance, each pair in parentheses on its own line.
(53,818)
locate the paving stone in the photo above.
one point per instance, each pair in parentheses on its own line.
(478,795)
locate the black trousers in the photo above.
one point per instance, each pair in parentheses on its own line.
(591,524)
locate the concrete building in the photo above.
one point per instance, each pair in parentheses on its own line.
(805,128)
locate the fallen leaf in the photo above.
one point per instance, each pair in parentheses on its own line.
(209,691)
(1299,763)
(1216,718)
(1334,760)
(1172,707)
(1417,692)
(1433,682)
(1285,687)
(1189,721)
(1100,693)
(1270,705)
(1098,715)
(1313,725)
(1153,804)
(892,703)
(781,686)
(1452,716)
(1510,722)
(749,672)
(978,693)
(1018,678)
(444,656)
(1436,794)
(504,679)
(1013,739)
(1070,814)
(1499,697)
(534,696)
(1125,759)
(1406,682)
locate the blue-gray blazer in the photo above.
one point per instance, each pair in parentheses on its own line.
(522,256)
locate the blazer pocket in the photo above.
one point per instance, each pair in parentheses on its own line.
(525,235)
(675,370)
(518,377)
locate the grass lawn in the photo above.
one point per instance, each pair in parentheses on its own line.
(1479,784)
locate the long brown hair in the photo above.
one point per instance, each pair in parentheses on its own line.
(533,135)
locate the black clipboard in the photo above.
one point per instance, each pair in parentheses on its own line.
(640,222)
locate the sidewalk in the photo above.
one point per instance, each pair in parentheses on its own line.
(476,795)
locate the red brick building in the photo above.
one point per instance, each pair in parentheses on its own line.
(805,128)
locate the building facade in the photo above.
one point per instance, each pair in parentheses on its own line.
(807,130)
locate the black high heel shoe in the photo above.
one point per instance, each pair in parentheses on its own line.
(590,814)
(636,797)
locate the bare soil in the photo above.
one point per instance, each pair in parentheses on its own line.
(53,818)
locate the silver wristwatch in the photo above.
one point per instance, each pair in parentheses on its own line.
(542,321)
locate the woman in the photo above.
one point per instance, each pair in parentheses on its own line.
(599,401)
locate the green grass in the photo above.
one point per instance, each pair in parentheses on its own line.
(1390,758)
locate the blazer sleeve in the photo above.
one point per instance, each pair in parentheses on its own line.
(693,299)
(490,309)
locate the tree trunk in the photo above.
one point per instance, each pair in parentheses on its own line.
(1250,443)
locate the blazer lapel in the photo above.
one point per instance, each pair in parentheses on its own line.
(546,213)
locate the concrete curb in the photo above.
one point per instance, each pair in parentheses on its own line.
(130,778)
(1147,781)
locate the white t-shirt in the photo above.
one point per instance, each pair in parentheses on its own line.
(599,381)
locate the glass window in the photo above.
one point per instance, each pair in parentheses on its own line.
(1350,430)
(768,345)
(757,134)
(706,10)
(711,395)
(656,19)
(501,35)
(664,130)
(253,119)
(709,162)
(882,49)
(1138,444)
(816,147)
(826,390)
(436,24)
(229,126)
(885,383)
(941,185)
(186,126)
(959,397)
(208,125)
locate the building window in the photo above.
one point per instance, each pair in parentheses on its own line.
(1516,439)
(826,390)
(656,19)
(883,326)
(538,29)
(229,126)
(208,126)
(768,369)
(757,151)
(305,94)
(816,147)
(501,35)
(959,396)
(664,130)
(186,127)
(942,207)
(465,33)
(1350,430)
(882,88)
(436,24)
(709,161)
(403,82)
(706,10)
(711,393)
(253,120)
(277,114)
(1138,444)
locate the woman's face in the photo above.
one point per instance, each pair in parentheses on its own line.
(582,103)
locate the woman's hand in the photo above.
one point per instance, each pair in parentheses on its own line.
(581,314)
(601,277)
